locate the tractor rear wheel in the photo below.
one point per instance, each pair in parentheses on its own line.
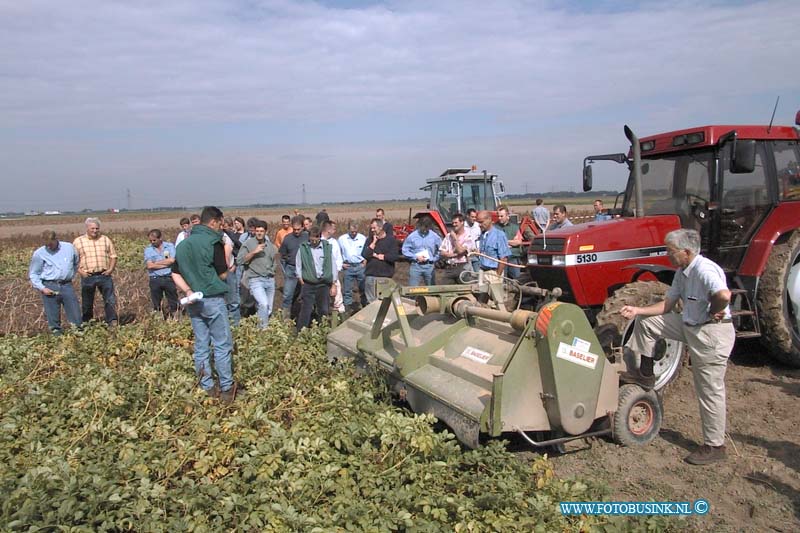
(639,294)
(637,420)
(778,302)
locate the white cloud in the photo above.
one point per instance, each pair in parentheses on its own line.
(548,82)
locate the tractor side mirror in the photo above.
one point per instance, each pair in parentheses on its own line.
(502,187)
(645,168)
(587,178)
(743,156)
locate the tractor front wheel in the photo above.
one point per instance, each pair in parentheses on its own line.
(640,294)
(637,420)
(778,302)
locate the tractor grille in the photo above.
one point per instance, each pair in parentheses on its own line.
(553,244)
(549,278)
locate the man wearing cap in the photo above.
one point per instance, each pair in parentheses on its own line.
(51,271)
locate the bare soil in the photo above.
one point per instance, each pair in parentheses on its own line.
(756,489)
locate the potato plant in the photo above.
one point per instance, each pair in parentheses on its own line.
(105,430)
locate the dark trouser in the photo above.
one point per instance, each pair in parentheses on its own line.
(313,295)
(289,285)
(449,274)
(354,275)
(511,272)
(89,285)
(161,286)
(52,305)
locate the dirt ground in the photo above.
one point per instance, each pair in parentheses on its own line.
(756,489)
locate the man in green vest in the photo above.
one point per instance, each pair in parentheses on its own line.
(200,270)
(314,266)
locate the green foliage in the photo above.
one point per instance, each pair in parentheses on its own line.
(105,430)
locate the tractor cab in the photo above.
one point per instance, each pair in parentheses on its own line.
(456,190)
(718,180)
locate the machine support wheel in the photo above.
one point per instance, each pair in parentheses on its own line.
(638,417)
(642,293)
(778,301)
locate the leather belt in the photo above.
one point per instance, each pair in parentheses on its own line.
(59,281)
(712,321)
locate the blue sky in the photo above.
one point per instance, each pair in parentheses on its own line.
(193,102)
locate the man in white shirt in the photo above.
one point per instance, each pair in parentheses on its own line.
(328,231)
(351,244)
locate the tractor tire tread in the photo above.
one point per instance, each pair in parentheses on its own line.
(772,304)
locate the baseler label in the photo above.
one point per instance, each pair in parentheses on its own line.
(479,356)
(581,344)
(576,355)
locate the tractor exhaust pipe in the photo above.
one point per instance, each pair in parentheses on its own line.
(637,170)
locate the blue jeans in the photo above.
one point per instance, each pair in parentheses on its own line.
(419,275)
(232,298)
(512,273)
(354,274)
(263,290)
(52,305)
(89,286)
(210,324)
(289,286)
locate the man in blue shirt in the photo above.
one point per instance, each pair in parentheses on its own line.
(351,244)
(51,271)
(599,214)
(493,244)
(560,219)
(541,215)
(421,248)
(158,259)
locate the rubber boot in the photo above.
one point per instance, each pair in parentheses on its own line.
(642,376)
(659,349)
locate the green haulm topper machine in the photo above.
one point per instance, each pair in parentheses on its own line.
(456,352)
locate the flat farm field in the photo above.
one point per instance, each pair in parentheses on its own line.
(756,489)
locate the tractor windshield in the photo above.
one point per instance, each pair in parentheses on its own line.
(451,197)
(478,196)
(672,183)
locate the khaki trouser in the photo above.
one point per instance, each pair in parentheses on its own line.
(709,347)
(338,300)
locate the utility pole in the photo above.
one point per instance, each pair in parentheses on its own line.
(304,195)
(128,198)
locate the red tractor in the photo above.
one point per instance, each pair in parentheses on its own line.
(739,186)
(456,190)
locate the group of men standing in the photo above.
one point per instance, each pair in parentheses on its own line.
(214,256)
(54,265)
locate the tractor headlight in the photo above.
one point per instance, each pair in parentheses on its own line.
(558,260)
(532,259)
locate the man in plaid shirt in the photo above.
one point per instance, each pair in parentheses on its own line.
(98,258)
